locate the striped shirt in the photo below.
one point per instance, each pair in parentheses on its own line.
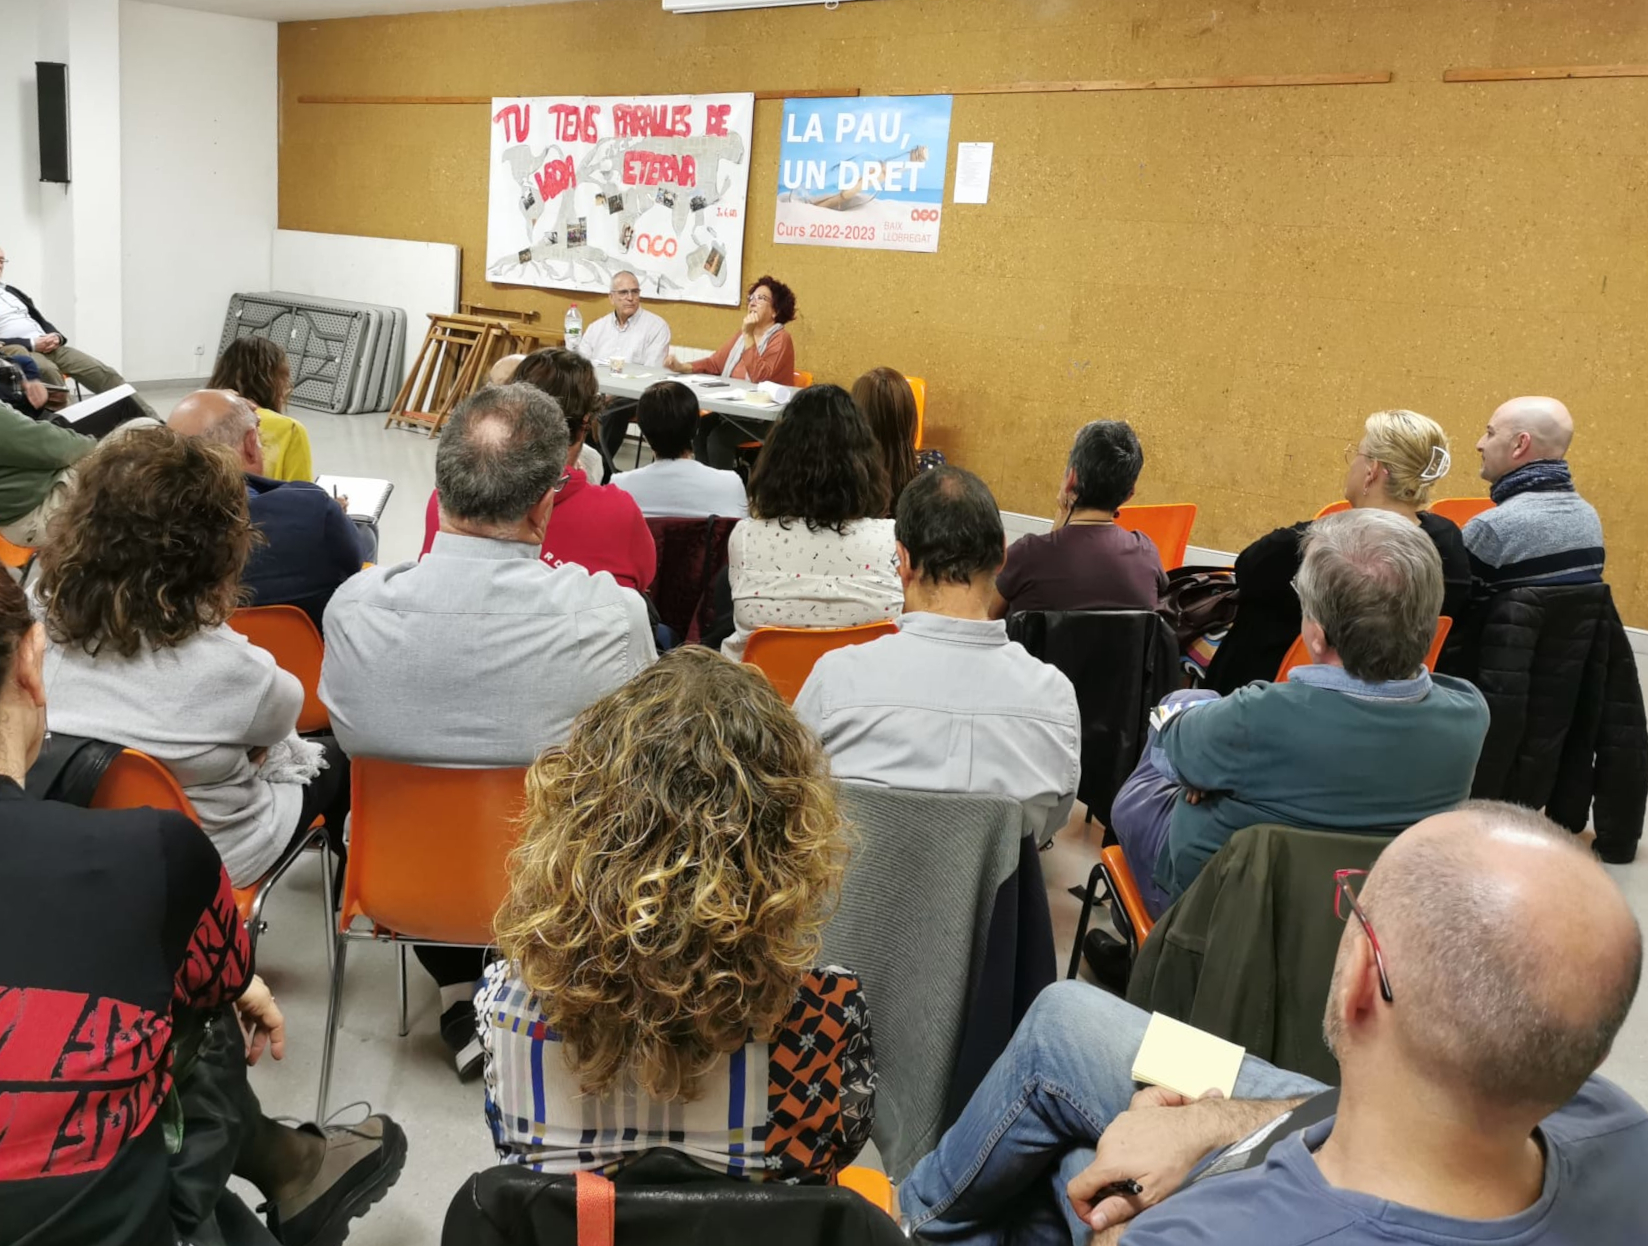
(797,1108)
(1535,540)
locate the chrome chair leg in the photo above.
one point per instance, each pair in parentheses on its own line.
(400,950)
(334,1005)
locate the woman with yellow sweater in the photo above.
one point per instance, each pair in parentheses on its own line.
(256,369)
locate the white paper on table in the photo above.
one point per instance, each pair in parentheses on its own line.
(778,393)
(973,162)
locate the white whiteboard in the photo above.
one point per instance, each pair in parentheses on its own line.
(418,277)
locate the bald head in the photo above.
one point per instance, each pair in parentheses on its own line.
(224,418)
(1513,958)
(504,370)
(1524,430)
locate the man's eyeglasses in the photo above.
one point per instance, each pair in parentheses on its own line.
(1345,883)
(627,294)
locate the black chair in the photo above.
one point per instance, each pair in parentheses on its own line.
(1122,662)
(691,554)
(664,1199)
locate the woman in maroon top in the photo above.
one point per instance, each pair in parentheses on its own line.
(761,350)
(598,527)
(1087,562)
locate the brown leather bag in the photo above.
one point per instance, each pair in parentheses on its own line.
(1199,600)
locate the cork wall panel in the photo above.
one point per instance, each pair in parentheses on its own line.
(1242,273)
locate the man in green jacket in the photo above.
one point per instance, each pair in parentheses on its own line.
(36,471)
(1363,739)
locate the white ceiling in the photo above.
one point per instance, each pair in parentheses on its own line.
(312,10)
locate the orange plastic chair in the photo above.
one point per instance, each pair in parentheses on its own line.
(1332,508)
(918,387)
(786,654)
(427,852)
(1126,905)
(870,1184)
(14,556)
(1461,510)
(291,639)
(135,780)
(1168,526)
(1298,655)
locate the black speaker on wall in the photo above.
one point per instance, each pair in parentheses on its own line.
(52,85)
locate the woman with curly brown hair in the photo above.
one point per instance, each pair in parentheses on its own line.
(679,862)
(256,369)
(761,350)
(817,550)
(139,574)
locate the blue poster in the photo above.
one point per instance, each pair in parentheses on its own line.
(863,172)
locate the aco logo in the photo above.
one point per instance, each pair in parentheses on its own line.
(924,214)
(657,245)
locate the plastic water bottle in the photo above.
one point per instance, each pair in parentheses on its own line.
(574,327)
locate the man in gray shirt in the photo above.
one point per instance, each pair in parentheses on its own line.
(949,704)
(481,654)
(1486,965)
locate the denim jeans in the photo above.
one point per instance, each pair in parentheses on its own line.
(999,1173)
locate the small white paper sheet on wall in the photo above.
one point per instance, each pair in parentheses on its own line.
(973,172)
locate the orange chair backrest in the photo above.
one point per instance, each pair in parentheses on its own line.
(786,654)
(1168,526)
(1332,508)
(1127,891)
(427,848)
(918,387)
(19,555)
(1461,510)
(1298,655)
(803,379)
(291,639)
(135,780)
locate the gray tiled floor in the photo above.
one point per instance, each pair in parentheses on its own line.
(411,1078)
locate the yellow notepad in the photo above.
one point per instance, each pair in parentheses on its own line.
(1183,1059)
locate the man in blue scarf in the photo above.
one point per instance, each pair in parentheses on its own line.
(1540,531)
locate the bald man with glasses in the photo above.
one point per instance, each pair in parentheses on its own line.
(636,336)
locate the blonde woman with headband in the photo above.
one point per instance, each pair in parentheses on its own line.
(661,937)
(1393,466)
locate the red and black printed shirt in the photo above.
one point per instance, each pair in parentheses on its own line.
(108,919)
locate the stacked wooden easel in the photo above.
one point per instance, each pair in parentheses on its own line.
(457,354)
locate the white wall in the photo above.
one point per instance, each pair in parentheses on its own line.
(21,227)
(199,151)
(88,223)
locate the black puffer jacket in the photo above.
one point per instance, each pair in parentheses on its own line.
(1568,733)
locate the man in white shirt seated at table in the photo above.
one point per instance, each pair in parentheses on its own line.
(949,704)
(633,334)
(677,486)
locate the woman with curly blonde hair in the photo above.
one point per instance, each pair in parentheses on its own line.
(667,900)
(139,574)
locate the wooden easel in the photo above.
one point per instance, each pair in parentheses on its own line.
(457,352)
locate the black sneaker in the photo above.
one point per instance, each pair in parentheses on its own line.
(361,1163)
(1109,960)
(459,1033)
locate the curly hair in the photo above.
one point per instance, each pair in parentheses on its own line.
(567,377)
(150,546)
(889,404)
(15,621)
(256,369)
(821,464)
(678,863)
(783,298)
